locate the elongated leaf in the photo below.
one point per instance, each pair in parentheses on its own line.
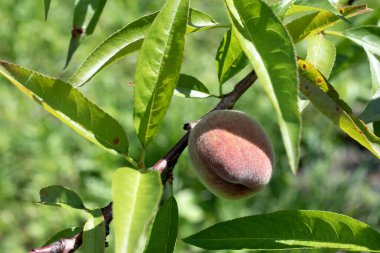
(321,5)
(348,56)
(47,7)
(94,233)
(200,21)
(296,229)
(165,228)
(324,97)
(66,233)
(297,11)
(125,41)
(158,67)
(230,58)
(275,65)
(316,22)
(70,106)
(366,36)
(128,40)
(57,195)
(86,16)
(372,111)
(321,53)
(191,87)
(135,200)
(281,7)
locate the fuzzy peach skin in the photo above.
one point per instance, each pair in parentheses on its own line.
(231,153)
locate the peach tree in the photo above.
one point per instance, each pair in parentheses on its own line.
(237,159)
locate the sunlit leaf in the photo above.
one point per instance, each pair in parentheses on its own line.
(275,66)
(295,229)
(123,42)
(372,111)
(191,87)
(158,68)
(230,57)
(70,106)
(165,227)
(320,4)
(366,36)
(281,7)
(135,199)
(47,7)
(324,97)
(57,195)
(199,21)
(94,233)
(316,22)
(128,40)
(86,16)
(321,53)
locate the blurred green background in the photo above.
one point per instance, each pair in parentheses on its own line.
(36,150)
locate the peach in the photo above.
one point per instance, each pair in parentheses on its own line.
(231,153)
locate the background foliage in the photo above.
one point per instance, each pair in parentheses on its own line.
(36,150)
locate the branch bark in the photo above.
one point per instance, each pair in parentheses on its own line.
(164,166)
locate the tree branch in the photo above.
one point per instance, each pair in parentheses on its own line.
(228,102)
(164,166)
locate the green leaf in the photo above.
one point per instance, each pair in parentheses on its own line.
(348,56)
(135,199)
(295,229)
(165,228)
(324,97)
(199,21)
(376,128)
(69,106)
(260,33)
(375,71)
(366,36)
(316,22)
(372,111)
(321,53)
(94,233)
(123,42)
(66,233)
(191,87)
(47,7)
(57,195)
(281,7)
(128,40)
(158,67)
(86,17)
(230,58)
(297,11)
(320,5)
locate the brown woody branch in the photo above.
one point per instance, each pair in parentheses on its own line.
(164,166)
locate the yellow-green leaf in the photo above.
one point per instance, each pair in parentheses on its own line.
(70,106)
(135,201)
(158,68)
(260,33)
(325,98)
(316,22)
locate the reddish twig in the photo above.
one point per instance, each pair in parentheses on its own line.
(164,166)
